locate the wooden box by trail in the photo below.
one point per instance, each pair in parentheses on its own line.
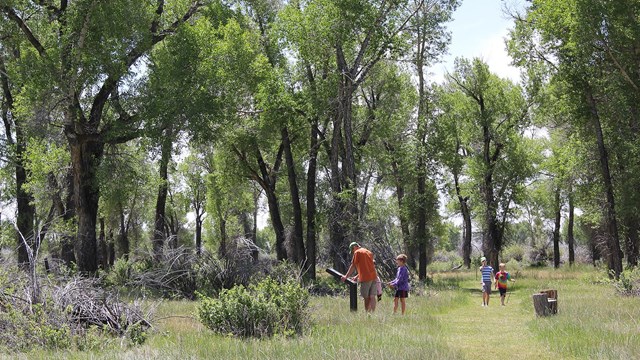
(546,302)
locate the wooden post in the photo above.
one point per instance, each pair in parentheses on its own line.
(353,288)
(353,297)
(541,304)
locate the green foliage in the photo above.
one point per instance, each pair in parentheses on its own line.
(515,252)
(262,310)
(628,282)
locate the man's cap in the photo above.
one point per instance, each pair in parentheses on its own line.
(352,245)
(483,259)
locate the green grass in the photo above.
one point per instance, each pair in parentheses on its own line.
(446,321)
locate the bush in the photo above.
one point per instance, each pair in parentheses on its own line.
(629,282)
(328,286)
(263,309)
(513,252)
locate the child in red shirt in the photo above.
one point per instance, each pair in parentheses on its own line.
(501,282)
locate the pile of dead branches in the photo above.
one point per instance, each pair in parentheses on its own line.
(57,311)
(180,273)
(88,304)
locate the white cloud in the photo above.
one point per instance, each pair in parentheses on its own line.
(494,53)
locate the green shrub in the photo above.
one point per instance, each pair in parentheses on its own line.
(263,309)
(629,282)
(513,252)
(328,286)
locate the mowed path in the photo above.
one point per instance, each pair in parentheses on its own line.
(493,332)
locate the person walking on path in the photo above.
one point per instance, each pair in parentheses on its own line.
(487,280)
(502,277)
(363,262)
(401,283)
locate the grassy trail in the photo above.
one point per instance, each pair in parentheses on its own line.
(493,332)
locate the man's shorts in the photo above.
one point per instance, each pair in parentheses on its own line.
(368,289)
(486,288)
(502,290)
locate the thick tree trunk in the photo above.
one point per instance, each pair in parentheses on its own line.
(570,224)
(310,266)
(556,230)
(299,254)
(86,155)
(160,223)
(613,240)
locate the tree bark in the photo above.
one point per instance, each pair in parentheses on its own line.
(421,142)
(222,226)
(310,266)
(198,234)
(570,225)
(25,210)
(86,155)
(299,253)
(159,233)
(268,182)
(613,240)
(466,222)
(491,239)
(123,247)
(556,230)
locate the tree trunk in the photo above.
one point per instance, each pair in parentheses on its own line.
(421,139)
(613,240)
(103,252)
(24,200)
(123,237)
(222,227)
(570,237)
(310,266)
(160,223)
(299,254)
(556,230)
(25,210)
(198,234)
(86,155)
(67,253)
(466,222)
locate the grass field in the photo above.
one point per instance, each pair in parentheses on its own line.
(443,321)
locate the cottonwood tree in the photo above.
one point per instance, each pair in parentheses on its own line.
(590,50)
(494,118)
(86,50)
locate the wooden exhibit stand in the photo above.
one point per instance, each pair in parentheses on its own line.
(546,302)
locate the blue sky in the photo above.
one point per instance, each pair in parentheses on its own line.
(478,29)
